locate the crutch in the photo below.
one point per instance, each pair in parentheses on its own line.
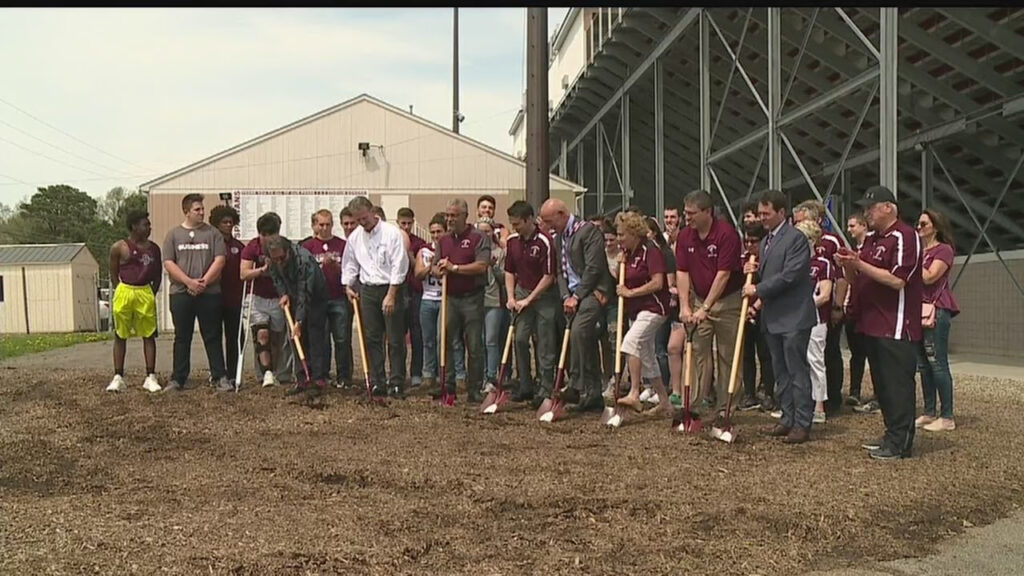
(243,329)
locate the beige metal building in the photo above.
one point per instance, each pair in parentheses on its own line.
(48,288)
(360,147)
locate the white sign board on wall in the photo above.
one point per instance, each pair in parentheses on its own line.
(295,207)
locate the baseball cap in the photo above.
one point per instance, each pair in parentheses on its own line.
(876,194)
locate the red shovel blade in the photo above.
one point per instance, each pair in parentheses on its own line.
(545,407)
(490,400)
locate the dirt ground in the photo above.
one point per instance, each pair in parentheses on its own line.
(256,484)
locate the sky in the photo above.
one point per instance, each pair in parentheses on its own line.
(101,97)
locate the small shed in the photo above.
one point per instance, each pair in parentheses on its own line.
(48,288)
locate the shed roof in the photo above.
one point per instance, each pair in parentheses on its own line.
(39,253)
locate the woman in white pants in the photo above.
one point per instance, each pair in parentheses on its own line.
(823,275)
(646,298)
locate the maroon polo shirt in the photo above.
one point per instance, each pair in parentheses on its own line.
(466,248)
(325,253)
(530,259)
(827,247)
(882,311)
(822,269)
(645,261)
(703,259)
(415,245)
(230,282)
(253,252)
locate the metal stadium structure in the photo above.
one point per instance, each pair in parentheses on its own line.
(818,102)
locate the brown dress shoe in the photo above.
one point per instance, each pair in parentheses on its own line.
(797,436)
(777,431)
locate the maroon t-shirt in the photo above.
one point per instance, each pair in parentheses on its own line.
(530,259)
(264,286)
(324,252)
(466,248)
(703,259)
(822,269)
(939,292)
(415,244)
(882,311)
(230,282)
(143,266)
(641,264)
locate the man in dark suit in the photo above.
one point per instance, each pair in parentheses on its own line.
(786,300)
(585,285)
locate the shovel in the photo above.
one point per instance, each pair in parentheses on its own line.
(725,433)
(495,399)
(612,415)
(298,345)
(445,399)
(357,319)
(552,408)
(685,420)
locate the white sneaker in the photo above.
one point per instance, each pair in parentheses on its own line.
(653,398)
(819,418)
(151,384)
(269,379)
(645,395)
(777,414)
(117,384)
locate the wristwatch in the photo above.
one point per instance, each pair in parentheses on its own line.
(705,307)
(455,267)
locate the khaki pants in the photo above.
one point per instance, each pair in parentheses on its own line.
(716,336)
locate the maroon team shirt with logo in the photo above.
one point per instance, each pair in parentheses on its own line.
(827,247)
(822,269)
(325,251)
(263,286)
(530,259)
(881,311)
(415,245)
(462,249)
(143,267)
(703,259)
(230,282)
(642,263)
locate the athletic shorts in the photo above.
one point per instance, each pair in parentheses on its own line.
(267,312)
(134,311)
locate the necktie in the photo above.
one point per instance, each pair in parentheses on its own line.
(768,242)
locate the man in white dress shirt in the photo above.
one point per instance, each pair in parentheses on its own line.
(376,256)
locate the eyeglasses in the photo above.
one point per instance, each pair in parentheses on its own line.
(923,224)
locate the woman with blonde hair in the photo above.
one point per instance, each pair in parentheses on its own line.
(822,275)
(938,309)
(646,300)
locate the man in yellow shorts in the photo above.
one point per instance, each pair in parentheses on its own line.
(135,273)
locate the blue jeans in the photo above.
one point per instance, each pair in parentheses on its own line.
(495,331)
(339,326)
(933,364)
(430,329)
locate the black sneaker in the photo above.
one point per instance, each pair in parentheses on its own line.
(594,403)
(749,403)
(538,399)
(173,386)
(379,391)
(521,396)
(869,407)
(474,396)
(886,453)
(396,393)
(873,444)
(569,395)
(768,405)
(852,400)
(296,389)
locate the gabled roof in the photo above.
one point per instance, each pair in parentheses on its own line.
(39,253)
(328,111)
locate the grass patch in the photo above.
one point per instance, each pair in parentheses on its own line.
(14,345)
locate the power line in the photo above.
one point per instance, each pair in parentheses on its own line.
(48,157)
(16,180)
(68,152)
(76,139)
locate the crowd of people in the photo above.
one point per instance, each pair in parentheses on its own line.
(550,271)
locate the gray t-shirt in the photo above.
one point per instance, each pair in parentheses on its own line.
(193,250)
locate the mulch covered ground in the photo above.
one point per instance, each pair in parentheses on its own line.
(191,483)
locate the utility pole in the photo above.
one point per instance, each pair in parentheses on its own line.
(537,178)
(455,73)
